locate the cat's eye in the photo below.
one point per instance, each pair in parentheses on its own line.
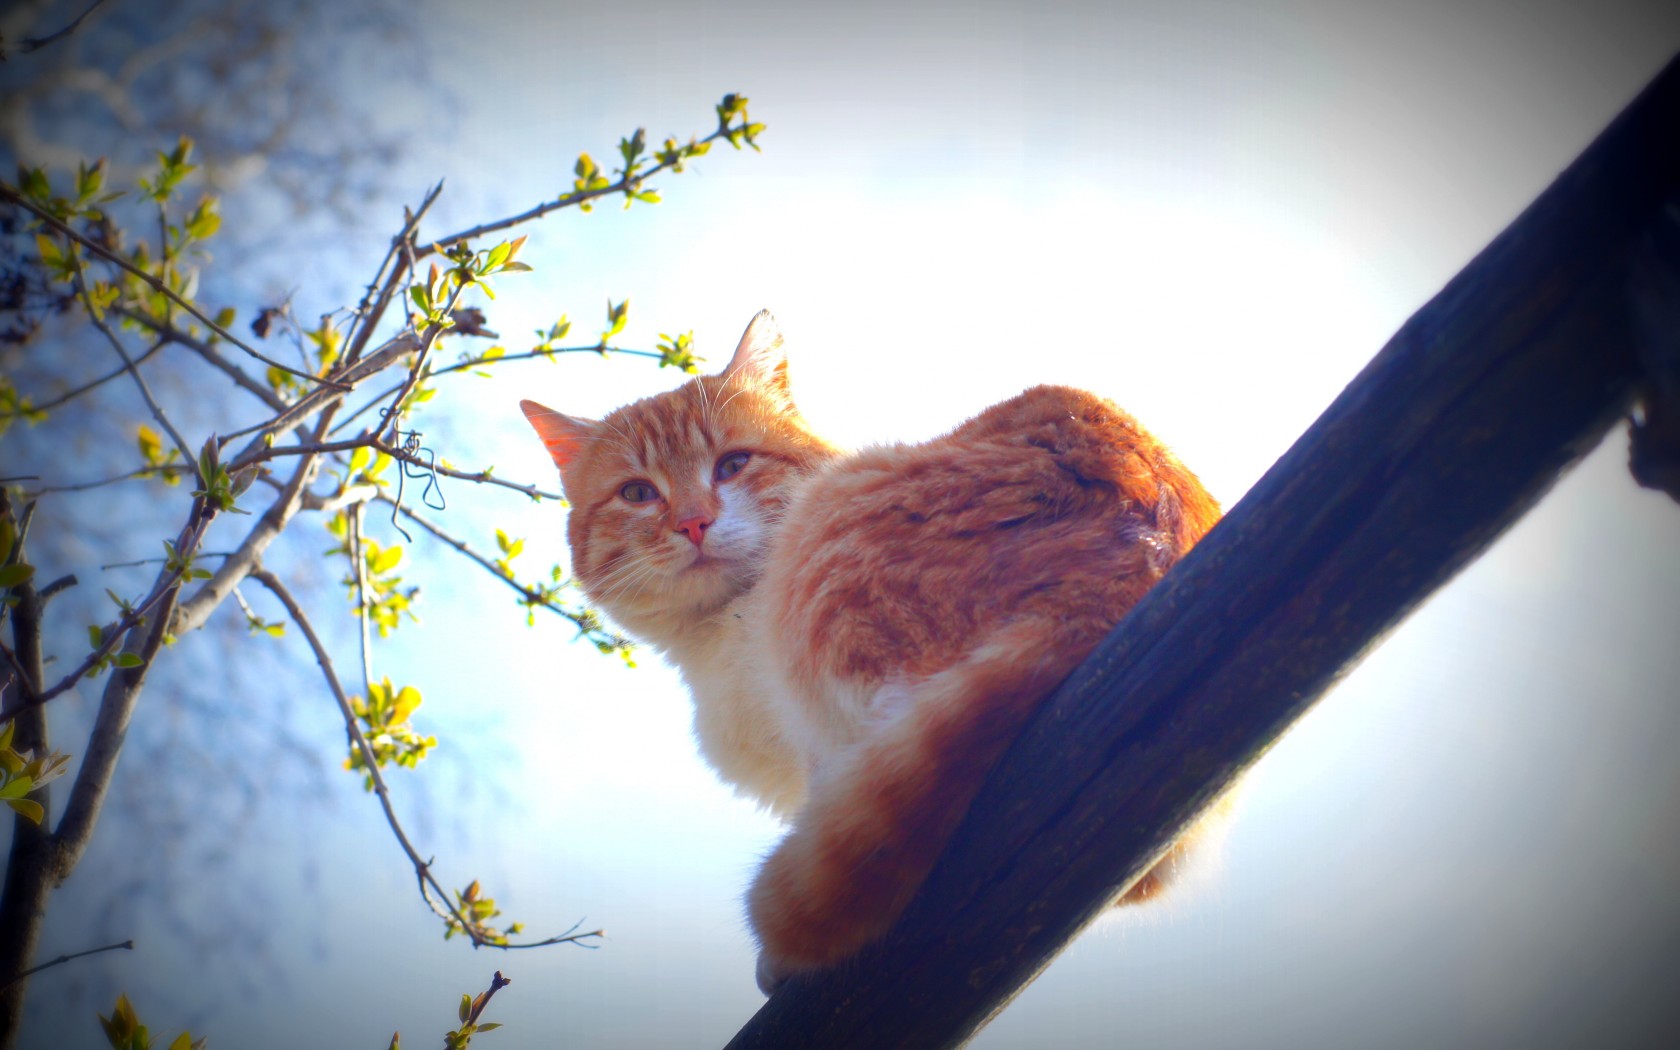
(731,465)
(638,492)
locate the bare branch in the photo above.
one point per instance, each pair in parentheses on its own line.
(83,486)
(345,377)
(62,959)
(101,381)
(35,43)
(369,312)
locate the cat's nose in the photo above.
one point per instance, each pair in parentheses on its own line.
(695,528)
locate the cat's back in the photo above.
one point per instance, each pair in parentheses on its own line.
(894,561)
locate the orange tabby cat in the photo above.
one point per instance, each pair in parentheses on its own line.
(863,633)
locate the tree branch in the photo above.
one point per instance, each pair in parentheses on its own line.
(483,477)
(422,869)
(369,312)
(101,381)
(36,43)
(62,959)
(564,201)
(532,597)
(170,334)
(10,193)
(158,414)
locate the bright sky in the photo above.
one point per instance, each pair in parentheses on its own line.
(1212,215)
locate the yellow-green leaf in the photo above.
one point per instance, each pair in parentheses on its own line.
(12,575)
(27,808)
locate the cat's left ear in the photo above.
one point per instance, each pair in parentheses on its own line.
(561,434)
(760,355)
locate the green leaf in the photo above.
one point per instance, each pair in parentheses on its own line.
(6,737)
(182,1042)
(360,458)
(17,787)
(129,660)
(466,1007)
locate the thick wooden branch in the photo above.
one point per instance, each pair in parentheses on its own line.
(1469,414)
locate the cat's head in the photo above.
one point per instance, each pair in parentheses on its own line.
(674,497)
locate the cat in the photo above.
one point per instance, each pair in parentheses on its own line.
(863,633)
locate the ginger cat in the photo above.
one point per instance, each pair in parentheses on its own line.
(863,633)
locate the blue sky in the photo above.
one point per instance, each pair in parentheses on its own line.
(1212,213)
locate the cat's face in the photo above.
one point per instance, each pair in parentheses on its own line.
(674,498)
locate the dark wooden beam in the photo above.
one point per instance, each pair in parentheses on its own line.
(1491,391)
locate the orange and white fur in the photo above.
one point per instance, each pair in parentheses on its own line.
(863,633)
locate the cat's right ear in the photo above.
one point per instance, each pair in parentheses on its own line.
(561,434)
(760,355)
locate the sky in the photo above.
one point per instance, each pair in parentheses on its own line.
(1213,214)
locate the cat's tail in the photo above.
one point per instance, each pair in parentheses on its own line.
(878,817)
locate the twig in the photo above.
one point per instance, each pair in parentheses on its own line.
(158,414)
(8,192)
(102,380)
(475,362)
(36,43)
(170,334)
(368,312)
(531,597)
(565,201)
(428,339)
(203,601)
(142,472)
(360,568)
(422,868)
(112,635)
(482,1000)
(62,959)
(345,379)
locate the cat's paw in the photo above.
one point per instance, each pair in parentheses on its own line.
(771,973)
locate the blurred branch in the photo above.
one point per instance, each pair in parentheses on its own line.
(62,959)
(35,43)
(9,193)
(92,384)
